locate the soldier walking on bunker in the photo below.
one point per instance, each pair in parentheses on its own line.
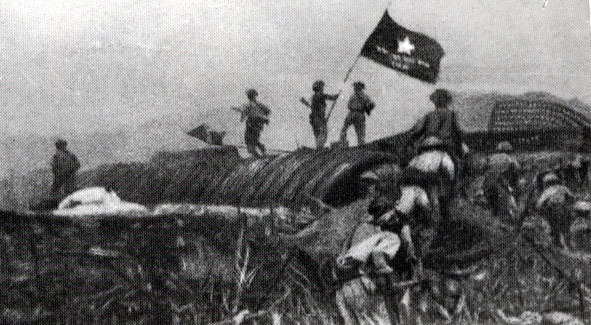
(64,166)
(318,114)
(359,105)
(256,116)
(555,204)
(501,180)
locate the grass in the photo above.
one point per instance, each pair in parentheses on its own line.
(226,269)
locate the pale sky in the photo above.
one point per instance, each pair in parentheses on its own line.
(90,65)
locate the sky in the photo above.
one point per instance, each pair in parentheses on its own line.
(71,66)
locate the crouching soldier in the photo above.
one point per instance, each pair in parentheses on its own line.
(64,166)
(411,210)
(501,181)
(555,204)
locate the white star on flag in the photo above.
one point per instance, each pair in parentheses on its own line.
(406,46)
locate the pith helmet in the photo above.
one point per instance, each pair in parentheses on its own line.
(369,176)
(431,142)
(504,146)
(251,93)
(61,143)
(440,97)
(318,84)
(358,85)
(550,178)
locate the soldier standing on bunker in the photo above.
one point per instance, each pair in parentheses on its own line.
(359,105)
(317,116)
(256,116)
(64,166)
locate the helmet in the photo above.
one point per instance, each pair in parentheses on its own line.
(358,85)
(251,93)
(431,142)
(550,178)
(317,85)
(369,176)
(504,146)
(61,144)
(440,97)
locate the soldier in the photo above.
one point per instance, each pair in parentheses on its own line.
(412,208)
(556,205)
(434,170)
(441,123)
(64,166)
(359,105)
(256,116)
(317,116)
(501,180)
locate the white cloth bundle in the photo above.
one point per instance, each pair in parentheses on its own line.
(97,201)
(432,161)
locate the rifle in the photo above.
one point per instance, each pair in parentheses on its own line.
(237,109)
(305,102)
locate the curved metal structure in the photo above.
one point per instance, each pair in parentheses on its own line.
(293,179)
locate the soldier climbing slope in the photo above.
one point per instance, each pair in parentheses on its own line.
(555,204)
(256,116)
(318,114)
(501,180)
(359,105)
(441,123)
(434,170)
(64,166)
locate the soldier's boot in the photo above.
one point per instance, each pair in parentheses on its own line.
(381,263)
(252,150)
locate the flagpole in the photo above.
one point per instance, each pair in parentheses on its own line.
(334,103)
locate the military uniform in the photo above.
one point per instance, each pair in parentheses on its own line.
(318,117)
(441,123)
(64,166)
(410,210)
(555,204)
(500,183)
(359,105)
(256,115)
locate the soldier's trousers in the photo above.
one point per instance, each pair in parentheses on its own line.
(357,119)
(64,185)
(320,131)
(252,137)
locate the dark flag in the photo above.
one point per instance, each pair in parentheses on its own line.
(398,48)
(204,133)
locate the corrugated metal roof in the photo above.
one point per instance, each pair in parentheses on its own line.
(291,179)
(521,114)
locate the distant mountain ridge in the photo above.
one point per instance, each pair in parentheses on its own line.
(23,154)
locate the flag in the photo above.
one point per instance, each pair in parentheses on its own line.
(398,48)
(204,133)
